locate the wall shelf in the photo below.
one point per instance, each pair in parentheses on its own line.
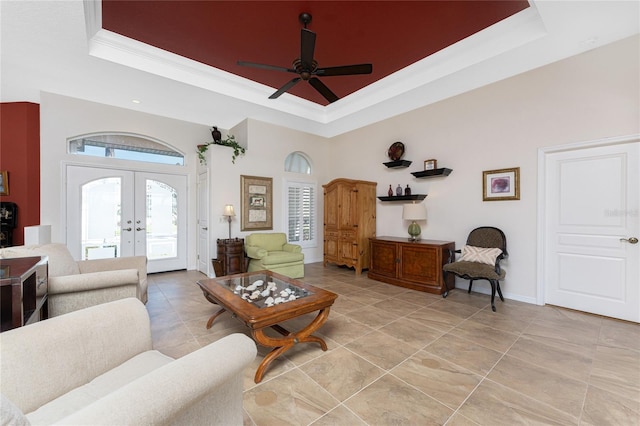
(397,164)
(416,197)
(432,173)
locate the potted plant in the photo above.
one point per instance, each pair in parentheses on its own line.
(229,141)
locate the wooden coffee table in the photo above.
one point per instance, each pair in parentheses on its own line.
(234,293)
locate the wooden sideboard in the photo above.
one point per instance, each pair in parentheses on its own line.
(231,256)
(23,291)
(412,264)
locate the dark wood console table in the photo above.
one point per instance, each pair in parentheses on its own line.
(231,256)
(412,264)
(23,288)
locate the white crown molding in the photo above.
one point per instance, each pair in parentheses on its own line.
(545,32)
(505,35)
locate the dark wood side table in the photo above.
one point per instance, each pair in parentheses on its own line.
(412,264)
(23,288)
(231,256)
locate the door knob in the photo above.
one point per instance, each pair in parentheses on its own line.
(139,229)
(631,240)
(205,229)
(126,229)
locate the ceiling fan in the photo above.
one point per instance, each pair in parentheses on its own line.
(307,68)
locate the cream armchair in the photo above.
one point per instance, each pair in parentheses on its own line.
(96,366)
(76,285)
(271,251)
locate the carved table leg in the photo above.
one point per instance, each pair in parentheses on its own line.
(214,316)
(283,344)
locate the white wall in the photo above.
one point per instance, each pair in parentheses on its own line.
(587,97)
(62,118)
(267,148)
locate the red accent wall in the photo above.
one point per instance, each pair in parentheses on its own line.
(20,157)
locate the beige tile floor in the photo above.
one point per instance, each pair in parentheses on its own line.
(402,357)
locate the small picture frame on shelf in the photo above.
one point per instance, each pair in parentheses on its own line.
(430,164)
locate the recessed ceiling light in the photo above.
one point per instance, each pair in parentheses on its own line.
(135,101)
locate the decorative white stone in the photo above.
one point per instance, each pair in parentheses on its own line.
(269,300)
(255,295)
(279,300)
(265,292)
(292,297)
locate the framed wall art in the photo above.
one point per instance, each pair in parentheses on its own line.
(256,203)
(430,164)
(501,184)
(4,182)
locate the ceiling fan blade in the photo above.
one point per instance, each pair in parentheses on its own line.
(345,70)
(324,90)
(284,88)
(307,46)
(266,67)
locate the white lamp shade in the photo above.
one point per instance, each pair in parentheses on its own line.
(414,212)
(228,210)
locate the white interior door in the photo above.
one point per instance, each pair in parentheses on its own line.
(203,223)
(591,254)
(120,213)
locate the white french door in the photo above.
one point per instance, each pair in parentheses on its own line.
(120,213)
(591,250)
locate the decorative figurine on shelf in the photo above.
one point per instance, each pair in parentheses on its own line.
(399,190)
(407,190)
(390,192)
(216,134)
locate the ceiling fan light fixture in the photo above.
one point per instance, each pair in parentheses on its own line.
(307,67)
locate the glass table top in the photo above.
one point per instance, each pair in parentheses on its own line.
(263,290)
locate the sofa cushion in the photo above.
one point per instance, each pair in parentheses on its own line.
(99,387)
(10,414)
(280,257)
(61,262)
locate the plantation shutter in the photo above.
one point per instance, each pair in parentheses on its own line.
(301,213)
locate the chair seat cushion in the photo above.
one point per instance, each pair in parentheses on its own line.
(280,257)
(474,270)
(99,387)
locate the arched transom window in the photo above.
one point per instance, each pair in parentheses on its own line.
(125,146)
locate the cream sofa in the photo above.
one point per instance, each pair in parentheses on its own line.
(96,366)
(76,285)
(271,251)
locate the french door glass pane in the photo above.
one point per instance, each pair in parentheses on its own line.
(101,216)
(162,220)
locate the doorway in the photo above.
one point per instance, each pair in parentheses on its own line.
(589,226)
(121,213)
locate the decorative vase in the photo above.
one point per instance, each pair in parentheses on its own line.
(390,192)
(407,190)
(217,136)
(399,190)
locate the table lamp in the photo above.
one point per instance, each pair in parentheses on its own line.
(414,212)
(229,213)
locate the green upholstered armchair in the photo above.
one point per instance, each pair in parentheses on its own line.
(271,251)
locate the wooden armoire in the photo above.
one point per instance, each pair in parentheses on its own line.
(349,222)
